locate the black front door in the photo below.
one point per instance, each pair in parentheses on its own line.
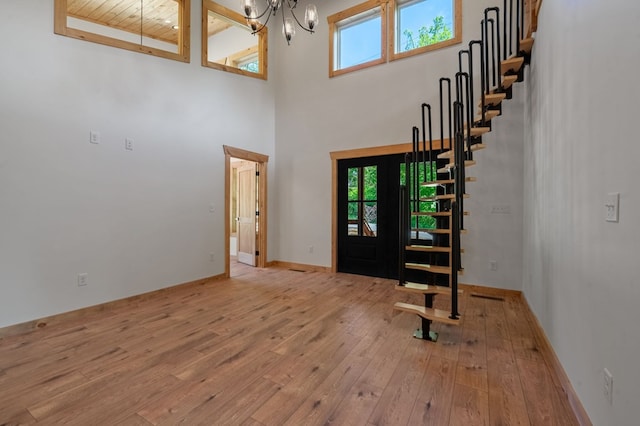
(368,200)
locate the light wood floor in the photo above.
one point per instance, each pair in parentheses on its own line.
(275,346)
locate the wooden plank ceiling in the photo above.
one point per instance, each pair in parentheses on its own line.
(157,19)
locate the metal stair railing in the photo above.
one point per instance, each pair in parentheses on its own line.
(479,43)
(494,47)
(424,145)
(456,210)
(415,181)
(450,117)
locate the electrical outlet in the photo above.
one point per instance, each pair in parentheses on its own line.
(94,137)
(608,385)
(612,206)
(310,249)
(83,279)
(501,209)
(128,144)
(493,265)
(212,257)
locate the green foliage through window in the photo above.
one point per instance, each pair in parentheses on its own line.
(362,196)
(423,192)
(436,33)
(251,66)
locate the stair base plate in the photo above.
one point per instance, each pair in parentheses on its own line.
(432,336)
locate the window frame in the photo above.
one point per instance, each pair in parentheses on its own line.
(389,22)
(335,19)
(361,201)
(262,45)
(393,30)
(60,27)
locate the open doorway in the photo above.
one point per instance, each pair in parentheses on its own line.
(245,208)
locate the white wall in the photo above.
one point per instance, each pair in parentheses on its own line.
(580,272)
(497,237)
(375,107)
(136,220)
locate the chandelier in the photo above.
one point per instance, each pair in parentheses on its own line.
(288,24)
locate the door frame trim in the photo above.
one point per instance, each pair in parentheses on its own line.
(357,153)
(261,167)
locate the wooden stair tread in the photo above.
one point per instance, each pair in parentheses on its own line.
(437,315)
(448,167)
(477,131)
(512,64)
(526,45)
(436,230)
(436,269)
(446,182)
(474,147)
(432,214)
(430,249)
(436,214)
(442,197)
(492,99)
(420,288)
(489,114)
(432,230)
(508,80)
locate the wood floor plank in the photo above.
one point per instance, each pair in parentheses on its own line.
(434,398)
(541,395)
(102,401)
(506,397)
(470,406)
(398,398)
(239,409)
(136,420)
(271,346)
(357,405)
(449,341)
(328,394)
(496,321)
(174,401)
(472,359)
(16,416)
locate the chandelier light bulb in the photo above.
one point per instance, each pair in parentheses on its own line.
(257,19)
(252,20)
(288,29)
(275,4)
(311,16)
(248,6)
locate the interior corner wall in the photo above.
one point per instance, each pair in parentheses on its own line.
(134,221)
(378,106)
(580,271)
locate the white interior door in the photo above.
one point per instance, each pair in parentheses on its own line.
(247,207)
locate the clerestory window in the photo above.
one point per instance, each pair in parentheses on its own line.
(376,31)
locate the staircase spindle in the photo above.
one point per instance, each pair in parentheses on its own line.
(448,81)
(482,77)
(415,176)
(402,237)
(519,22)
(495,41)
(424,144)
(506,12)
(459,173)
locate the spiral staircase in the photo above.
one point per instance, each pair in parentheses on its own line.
(432,196)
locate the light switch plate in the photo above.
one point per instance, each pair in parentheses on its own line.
(612,206)
(94,136)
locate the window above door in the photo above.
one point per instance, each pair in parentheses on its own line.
(379,31)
